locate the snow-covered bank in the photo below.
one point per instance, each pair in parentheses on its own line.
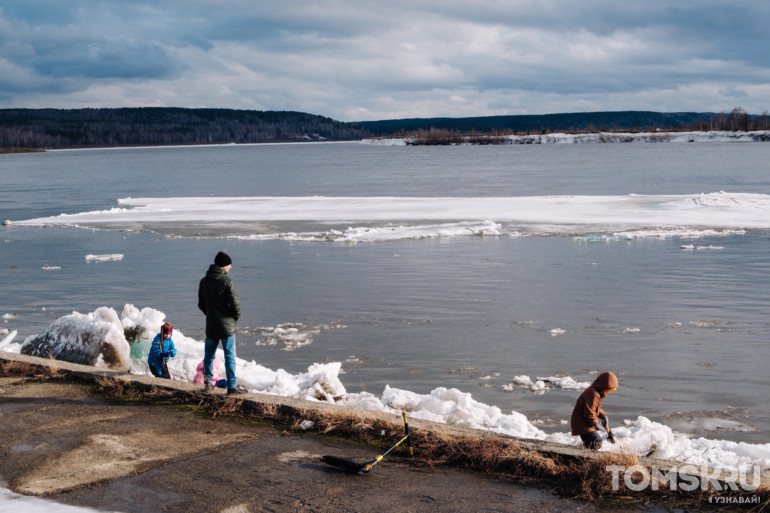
(614,137)
(389,218)
(321,382)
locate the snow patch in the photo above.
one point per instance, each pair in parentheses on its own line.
(11,501)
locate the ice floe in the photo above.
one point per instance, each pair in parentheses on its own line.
(104,258)
(370,219)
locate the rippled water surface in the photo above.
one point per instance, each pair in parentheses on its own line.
(685,329)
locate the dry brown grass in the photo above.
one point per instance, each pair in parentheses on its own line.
(589,479)
(224,406)
(594,482)
(127,389)
(115,387)
(12,368)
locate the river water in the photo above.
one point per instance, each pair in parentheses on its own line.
(682,319)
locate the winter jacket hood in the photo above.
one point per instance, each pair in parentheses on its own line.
(605,381)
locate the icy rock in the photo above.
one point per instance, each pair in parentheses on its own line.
(83,339)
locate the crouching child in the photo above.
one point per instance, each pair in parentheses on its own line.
(161,350)
(588,410)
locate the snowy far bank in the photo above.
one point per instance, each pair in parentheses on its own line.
(389,218)
(321,382)
(613,137)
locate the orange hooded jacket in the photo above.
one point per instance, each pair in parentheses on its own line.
(588,407)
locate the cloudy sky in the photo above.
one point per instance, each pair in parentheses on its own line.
(368,60)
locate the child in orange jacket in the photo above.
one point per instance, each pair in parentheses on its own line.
(588,410)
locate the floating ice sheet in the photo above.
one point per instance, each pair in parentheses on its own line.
(104,258)
(352,219)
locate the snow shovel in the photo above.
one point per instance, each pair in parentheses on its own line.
(355,467)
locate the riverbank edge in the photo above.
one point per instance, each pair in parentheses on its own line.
(441,137)
(574,471)
(8,150)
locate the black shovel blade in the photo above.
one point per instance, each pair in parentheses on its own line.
(348,465)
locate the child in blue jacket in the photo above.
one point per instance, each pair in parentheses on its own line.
(161,349)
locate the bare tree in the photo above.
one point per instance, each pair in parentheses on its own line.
(738,119)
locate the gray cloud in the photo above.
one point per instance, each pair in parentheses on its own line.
(99,59)
(373,60)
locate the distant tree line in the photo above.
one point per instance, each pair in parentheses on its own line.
(544,123)
(632,121)
(57,128)
(445,131)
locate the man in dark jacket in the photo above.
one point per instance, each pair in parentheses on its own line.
(219,302)
(588,410)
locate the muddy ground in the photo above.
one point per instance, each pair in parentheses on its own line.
(62,441)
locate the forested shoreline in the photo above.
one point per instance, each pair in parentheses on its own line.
(55,128)
(24,129)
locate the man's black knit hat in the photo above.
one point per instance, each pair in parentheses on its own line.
(222,259)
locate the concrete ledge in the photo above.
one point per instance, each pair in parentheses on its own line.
(252,400)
